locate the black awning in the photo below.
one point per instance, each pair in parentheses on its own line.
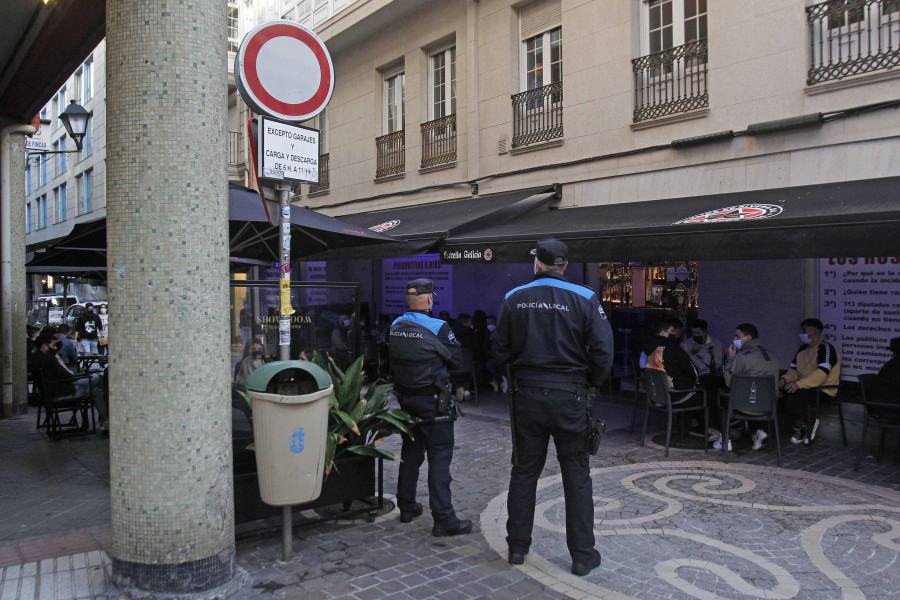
(311,232)
(853,218)
(424,226)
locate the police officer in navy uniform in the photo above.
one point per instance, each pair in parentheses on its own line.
(422,351)
(555,337)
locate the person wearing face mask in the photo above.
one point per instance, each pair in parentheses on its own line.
(88,330)
(705,352)
(816,364)
(747,356)
(103,339)
(423,351)
(60,379)
(248,364)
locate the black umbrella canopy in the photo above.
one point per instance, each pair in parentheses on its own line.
(312,233)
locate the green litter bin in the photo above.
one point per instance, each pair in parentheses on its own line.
(290,423)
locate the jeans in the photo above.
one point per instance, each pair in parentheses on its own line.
(81,388)
(539,414)
(88,346)
(436,441)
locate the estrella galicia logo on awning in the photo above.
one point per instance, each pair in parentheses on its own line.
(386,226)
(741,212)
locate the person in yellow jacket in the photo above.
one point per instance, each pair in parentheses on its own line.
(816,364)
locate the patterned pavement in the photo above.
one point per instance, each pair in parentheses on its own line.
(687,527)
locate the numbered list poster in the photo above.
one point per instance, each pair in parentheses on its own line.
(860,307)
(396,272)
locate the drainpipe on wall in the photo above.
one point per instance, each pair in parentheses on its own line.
(12,253)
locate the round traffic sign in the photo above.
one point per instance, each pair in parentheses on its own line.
(284,70)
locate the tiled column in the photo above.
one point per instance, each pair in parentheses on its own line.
(13,368)
(167,234)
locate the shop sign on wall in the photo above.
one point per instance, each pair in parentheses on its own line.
(398,271)
(860,306)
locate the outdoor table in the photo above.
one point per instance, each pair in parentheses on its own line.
(87,361)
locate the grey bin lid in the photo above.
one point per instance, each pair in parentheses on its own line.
(260,378)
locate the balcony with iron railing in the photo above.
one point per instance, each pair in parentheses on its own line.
(538,115)
(852,37)
(391,154)
(671,81)
(439,142)
(324,164)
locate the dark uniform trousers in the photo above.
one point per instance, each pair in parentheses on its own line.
(434,439)
(541,412)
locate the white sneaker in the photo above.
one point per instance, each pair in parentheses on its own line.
(504,385)
(467,395)
(494,386)
(460,394)
(718,444)
(798,437)
(758,438)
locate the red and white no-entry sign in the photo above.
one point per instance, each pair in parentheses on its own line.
(283,70)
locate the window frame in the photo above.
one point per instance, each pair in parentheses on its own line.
(87,91)
(28,217)
(446,52)
(61,197)
(42,211)
(678,24)
(547,42)
(388,76)
(86,202)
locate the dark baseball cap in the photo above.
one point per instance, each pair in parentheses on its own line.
(551,251)
(418,287)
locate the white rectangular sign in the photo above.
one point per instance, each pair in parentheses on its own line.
(860,307)
(288,152)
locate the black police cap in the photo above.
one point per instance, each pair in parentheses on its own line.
(418,287)
(551,251)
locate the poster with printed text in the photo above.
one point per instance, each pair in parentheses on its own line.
(859,304)
(398,271)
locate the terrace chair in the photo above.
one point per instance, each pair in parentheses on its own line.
(674,402)
(820,397)
(63,409)
(466,373)
(752,398)
(873,413)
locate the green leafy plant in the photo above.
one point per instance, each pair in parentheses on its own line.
(357,423)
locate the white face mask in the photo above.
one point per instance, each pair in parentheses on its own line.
(804,338)
(491,327)
(102,311)
(738,343)
(346,323)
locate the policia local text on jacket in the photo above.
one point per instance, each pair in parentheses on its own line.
(557,340)
(422,352)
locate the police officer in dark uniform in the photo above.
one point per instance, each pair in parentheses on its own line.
(422,351)
(555,337)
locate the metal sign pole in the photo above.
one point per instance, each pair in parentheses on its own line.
(284,338)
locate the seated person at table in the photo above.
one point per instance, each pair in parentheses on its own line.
(665,354)
(887,386)
(67,350)
(816,364)
(706,353)
(747,356)
(59,377)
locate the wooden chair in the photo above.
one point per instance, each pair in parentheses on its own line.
(867,387)
(660,397)
(62,409)
(752,398)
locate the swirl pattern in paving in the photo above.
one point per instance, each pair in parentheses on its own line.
(709,531)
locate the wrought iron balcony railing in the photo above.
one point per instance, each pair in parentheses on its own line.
(537,115)
(324,160)
(670,81)
(852,37)
(439,141)
(235,148)
(391,159)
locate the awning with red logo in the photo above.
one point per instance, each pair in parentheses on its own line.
(852,218)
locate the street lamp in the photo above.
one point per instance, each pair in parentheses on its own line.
(75,119)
